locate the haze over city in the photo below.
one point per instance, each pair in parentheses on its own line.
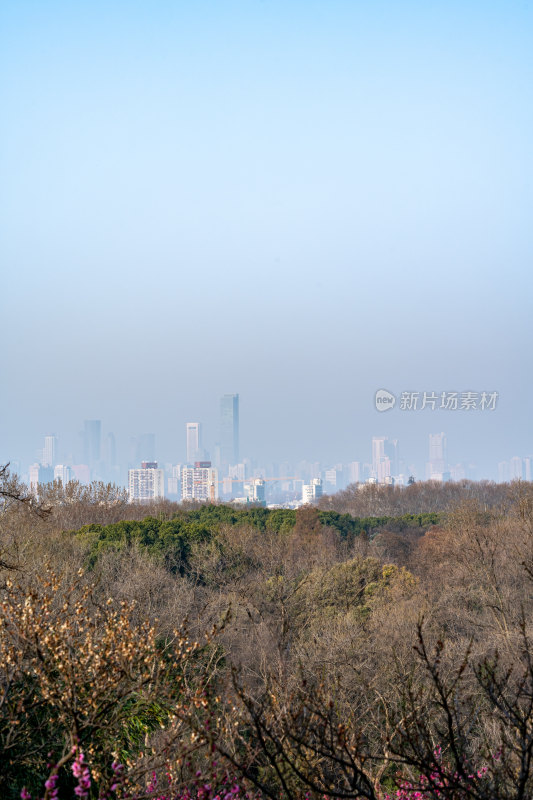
(300,203)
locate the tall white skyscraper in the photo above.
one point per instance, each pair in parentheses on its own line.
(381,463)
(49,450)
(194,442)
(378,452)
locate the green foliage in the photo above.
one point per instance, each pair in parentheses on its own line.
(173,541)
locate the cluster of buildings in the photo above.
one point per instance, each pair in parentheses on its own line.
(224,475)
(516,469)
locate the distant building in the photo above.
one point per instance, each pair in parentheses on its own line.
(62,473)
(378,453)
(199,482)
(383,470)
(194,441)
(458,472)
(146,483)
(39,475)
(384,458)
(332,479)
(229,429)
(516,469)
(392,452)
(92,436)
(34,477)
(354,472)
(255,490)
(49,451)
(312,491)
(174,481)
(438,457)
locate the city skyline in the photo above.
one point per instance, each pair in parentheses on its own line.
(304,203)
(383,462)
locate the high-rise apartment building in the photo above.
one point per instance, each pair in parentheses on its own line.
(229,429)
(146,483)
(312,491)
(194,442)
(199,482)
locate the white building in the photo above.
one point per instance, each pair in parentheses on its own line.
(62,473)
(312,491)
(199,482)
(49,451)
(516,468)
(255,490)
(39,475)
(354,472)
(147,483)
(382,449)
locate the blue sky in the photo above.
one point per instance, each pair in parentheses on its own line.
(298,201)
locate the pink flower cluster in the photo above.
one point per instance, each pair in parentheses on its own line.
(201,790)
(81,771)
(437,781)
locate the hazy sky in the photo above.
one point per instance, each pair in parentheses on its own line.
(298,201)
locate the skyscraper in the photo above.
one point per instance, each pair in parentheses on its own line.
(436,468)
(381,463)
(437,447)
(378,452)
(229,428)
(92,434)
(194,441)
(392,452)
(49,451)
